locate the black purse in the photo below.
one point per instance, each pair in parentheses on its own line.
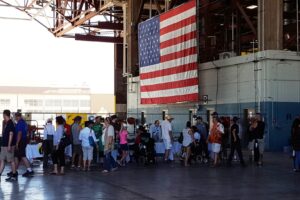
(64,141)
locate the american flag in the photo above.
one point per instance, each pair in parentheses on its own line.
(168,56)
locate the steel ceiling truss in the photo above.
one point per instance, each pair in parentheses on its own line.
(62,17)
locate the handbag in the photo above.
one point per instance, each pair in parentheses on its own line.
(91,140)
(64,141)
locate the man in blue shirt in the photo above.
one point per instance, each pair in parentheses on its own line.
(8,145)
(20,153)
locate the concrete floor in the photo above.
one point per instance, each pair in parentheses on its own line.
(275,180)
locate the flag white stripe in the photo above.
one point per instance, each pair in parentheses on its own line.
(171,92)
(178,32)
(178,47)
(169,64)
(170,78)
(179,17)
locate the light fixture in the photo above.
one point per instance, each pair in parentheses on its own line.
(251,7)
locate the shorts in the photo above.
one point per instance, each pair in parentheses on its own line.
(261,145)
(168,144)
(21,151)
(5,155)
(189,145)
(215,147)
(77,149)
(87,153)
(124,147)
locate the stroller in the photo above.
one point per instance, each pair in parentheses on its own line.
(144,149)
(147,149)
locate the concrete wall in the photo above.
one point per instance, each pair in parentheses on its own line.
(266,82)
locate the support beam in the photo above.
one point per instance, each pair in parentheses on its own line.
(93,38)
(246,17)
(270,24)
(106,25)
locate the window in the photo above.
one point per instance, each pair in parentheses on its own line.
(85,103)
(4,102)
(33,102)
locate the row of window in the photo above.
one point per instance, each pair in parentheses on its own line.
(49,102)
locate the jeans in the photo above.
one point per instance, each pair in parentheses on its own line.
(48,149)
(236,146)
(109,162)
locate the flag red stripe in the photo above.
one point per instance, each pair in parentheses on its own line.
(177,10)
(178,54)
(178,25)
(177,40)
(172,99)
(169,71)
(170,85)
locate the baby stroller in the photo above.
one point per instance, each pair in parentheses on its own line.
(147,149)
(197,151)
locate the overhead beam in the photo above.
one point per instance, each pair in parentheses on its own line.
(246,17)
(93,38)
(106,25)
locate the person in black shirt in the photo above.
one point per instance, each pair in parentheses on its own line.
(235,142)
(8,145)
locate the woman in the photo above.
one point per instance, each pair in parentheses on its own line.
(296,143)
(108,139)
(49,132)
(188,139)
(215,138)
(87,148)
(59,150)
(123,143)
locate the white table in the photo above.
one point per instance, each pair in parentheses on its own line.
(35,151)
(160,149)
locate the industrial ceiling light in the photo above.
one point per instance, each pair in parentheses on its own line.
(251,7)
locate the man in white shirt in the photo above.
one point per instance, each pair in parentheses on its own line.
(167,135)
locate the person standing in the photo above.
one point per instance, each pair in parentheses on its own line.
(295,140)
(108,139)
(49,132)
(20,149)
(155,131)
(188,139)
(123,143)
(76,148)
(98,129)
(235,142)
(167,136)
(8,145)
(202,129)
(87,149)
(59,153)
(256,131)
(215,138)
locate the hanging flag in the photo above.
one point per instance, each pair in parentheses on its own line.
(168,56)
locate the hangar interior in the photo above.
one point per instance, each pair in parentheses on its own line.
(248,54)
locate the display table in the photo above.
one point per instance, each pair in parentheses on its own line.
(35,151)
(160,149)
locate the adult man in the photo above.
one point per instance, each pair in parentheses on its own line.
(98,129)
(167,136)
(257,130)
(49,132)
(20,149)
(235,142)
(155,131)
(202,129)
(76,148)
(8,145)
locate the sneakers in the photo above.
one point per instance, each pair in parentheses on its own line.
(11,173)
(28,174)
(14,177)
(114,169)
(105,171)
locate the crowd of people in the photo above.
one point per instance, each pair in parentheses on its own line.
(99,139)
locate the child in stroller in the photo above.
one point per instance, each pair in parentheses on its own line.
(145,147)
(197,147)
